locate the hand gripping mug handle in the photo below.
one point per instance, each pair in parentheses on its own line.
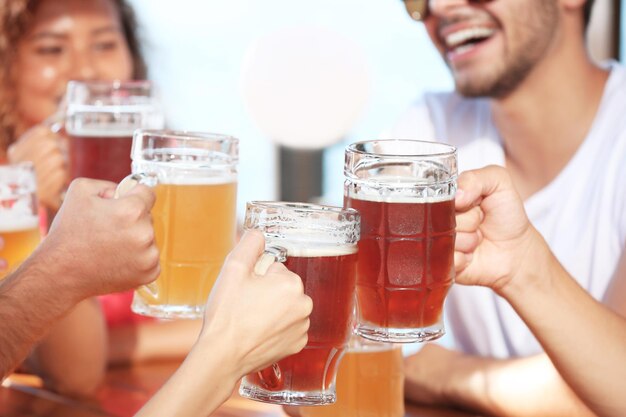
(127,184)
(270,377)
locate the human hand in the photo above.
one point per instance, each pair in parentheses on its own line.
(429,374)
(99,245)
(46,150)
(261,319)
(291,410)
(494,235)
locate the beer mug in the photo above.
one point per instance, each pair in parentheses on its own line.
(370,382)
(100,118)
(19,222)
(404,191)
(194,217)
(319,244)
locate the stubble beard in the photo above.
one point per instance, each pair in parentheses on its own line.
(516,64)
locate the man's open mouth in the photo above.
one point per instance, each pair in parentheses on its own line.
(463,40)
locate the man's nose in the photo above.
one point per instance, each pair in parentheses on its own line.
(443,7)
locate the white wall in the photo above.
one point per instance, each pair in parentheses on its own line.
(195,50)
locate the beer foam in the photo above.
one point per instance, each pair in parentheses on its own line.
(105,131)
(10,222)
(304,249)
(188,180)
(395,198)
(364,348)
(137,106)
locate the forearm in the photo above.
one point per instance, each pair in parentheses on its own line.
(525,387)
(31,299)
(152,341)
(585,340)
(72,357)
(203,382)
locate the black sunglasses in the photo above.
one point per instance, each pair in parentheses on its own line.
(418,9)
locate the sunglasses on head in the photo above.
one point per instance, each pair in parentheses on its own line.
(418,9)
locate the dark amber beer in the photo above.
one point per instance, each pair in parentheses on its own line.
(405,196)
(100,121)
(408,261)
(326,263)
(329,278)
(101,157)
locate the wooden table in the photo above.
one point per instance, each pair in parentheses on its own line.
(126,389)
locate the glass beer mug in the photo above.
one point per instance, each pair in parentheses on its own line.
(19,221)
(404,191)
(318,243)
(194,217)
(370,382)
(100,118)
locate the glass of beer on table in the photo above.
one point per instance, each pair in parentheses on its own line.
(319,243)
(404,191)
(370,382)
(100,119)
(195,180)
(19,221)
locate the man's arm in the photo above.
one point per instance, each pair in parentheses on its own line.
(584,339)
(96,245)
(521,387)
(30,299)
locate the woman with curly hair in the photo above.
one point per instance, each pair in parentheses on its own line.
(43,45)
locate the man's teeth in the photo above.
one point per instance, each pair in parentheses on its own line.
(463,48)
(462,36)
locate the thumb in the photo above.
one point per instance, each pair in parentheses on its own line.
(478,184)
(248,250)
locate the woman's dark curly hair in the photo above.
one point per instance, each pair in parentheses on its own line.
(15,18)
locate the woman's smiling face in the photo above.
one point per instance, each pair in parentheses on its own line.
(67,40)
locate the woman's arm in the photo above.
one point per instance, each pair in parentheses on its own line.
(71,359)
(250,322)
(155,340)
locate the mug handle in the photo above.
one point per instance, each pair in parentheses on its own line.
(270,377)
(127,184)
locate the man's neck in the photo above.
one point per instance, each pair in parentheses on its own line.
(545,120)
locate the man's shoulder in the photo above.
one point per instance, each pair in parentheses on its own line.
(443,116)
(450,101)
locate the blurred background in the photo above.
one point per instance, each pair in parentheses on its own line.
(197,58)
(201,62)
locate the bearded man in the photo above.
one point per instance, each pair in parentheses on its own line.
(527,97)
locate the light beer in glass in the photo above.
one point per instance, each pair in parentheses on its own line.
(194,216)
(370,383)
(320,246)
(19,222)
(404,191)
